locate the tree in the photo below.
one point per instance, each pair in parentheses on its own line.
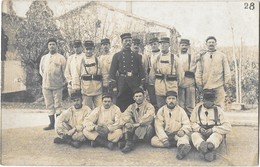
(31,39)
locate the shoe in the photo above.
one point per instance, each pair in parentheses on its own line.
(93,143)
(183,150)
(210,146)
(75,144)
(110,145)
(128,147)
(58,140)
(52,122)
(121,145)
(203,147)
(210,156)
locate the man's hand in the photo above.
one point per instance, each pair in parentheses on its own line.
(180,133)
(71,132)
(102,130)
(203,131)
(129,125)
(112,84)
(166,143)
(79,128)
(209,132)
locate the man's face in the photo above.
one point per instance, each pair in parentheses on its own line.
(184,47)
(208,103)
(78,50)
(127,43)
(89,51)
(105,47)
(77,103)
(52,46)
(165,47)
(107,102)
(171,101)
(211,44)
(135,47)
(155,46)
(139,97)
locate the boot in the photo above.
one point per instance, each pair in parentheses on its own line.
(203,147)
(75,144)
(210,146)
(210,156)
(104,142)
(58,140)
(121,143)
(52,122)
(183,150)
(129,142)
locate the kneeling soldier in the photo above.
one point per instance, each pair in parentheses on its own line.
(209,125)
(102,125)
(137,120)
(69,125)
(172,126)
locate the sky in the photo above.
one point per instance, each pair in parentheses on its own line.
(193,20)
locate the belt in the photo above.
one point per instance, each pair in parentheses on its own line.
(128,74)
(91,77)
(167,77)
(207,126)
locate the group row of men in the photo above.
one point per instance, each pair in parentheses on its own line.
(159,71)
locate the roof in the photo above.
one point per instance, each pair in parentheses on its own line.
(128,14)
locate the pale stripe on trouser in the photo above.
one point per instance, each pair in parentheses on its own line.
(53,100)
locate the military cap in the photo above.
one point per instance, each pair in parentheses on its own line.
(165,40)
(209,94)
(211,37)
(125,35)
(171,93)
(89,44)
(52,40)
(185,41)
(77,43)
(106,95)
(136,41)
(152,40)
(76,94)
(138,90)
(105,41)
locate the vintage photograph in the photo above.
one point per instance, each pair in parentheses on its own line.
(129,83)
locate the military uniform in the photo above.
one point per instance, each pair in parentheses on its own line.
(129,66)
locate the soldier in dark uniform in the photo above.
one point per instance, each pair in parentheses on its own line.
(131,73)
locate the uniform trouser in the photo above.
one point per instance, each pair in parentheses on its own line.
(112,136)
(142,133)
(156,142)
(92,101)
(186,98)
(78,136)
(152,96)
(161,101)
(214,138)
(53,99)
(220,96)
(126,86)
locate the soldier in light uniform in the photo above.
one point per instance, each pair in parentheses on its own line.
(91,77)
(213,71)
(165,69)
(172,126)
(72,67)
(150,59)
(136,45)
(209,125)
(52,67)
(102,126)
(69,125)
(130,70)
(186,91)
(137,120)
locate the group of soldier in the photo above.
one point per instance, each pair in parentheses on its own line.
(109,95)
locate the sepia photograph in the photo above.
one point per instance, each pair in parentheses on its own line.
(129,83)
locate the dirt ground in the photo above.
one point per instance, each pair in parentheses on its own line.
(33,146)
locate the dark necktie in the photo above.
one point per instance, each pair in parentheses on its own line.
(206,113)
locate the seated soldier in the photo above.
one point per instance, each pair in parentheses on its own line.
(69,125)
(102,125)
(137,120)
(172,126)
(209,126)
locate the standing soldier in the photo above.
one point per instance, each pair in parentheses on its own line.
(131,73)
(172,126)
(137,120)
(209,125)
(103,126)
(52,67)
(91,78)
(69,125)
(150,79)
(136,45)
(213,71)
(186,91)
(165,70)
(73,63)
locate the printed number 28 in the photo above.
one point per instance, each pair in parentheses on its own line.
(250,6)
